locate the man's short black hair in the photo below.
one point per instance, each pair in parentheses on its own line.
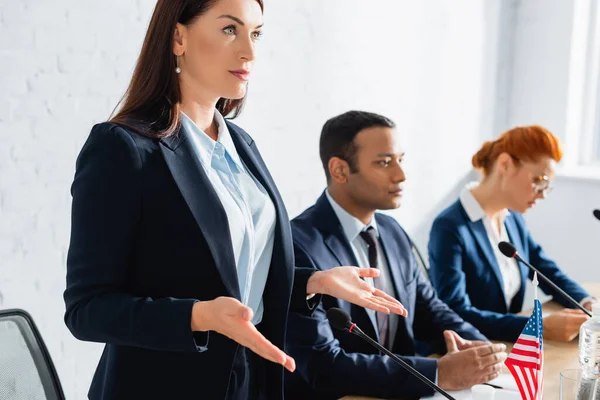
(338,133)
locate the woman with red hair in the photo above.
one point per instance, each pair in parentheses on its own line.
(469,272)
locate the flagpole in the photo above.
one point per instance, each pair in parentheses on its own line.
(528,371)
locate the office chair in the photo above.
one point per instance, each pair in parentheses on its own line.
(26,369)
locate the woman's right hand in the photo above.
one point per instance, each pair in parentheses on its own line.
(229,317)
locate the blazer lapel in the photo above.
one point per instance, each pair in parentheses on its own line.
(338,244)
(204,203)
(248,153)
(478,230)
(515,239)
(340,247)
(388,246)
(395,268)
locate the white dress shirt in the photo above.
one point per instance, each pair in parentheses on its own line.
(250,211)
(511,274)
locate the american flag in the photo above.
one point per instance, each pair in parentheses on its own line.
(526,359)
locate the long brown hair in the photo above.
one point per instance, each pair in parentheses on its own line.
(153,97)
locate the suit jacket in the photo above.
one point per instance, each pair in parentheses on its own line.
(150,238)
(331,364)
(465,272)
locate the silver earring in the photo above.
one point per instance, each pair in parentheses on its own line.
(177,69)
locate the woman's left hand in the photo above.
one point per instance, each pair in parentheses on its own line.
(346,283)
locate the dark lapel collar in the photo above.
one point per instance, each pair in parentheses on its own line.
(390,250)
(335,238)
(478,231)
(513,235)
(336,241)
(204,204)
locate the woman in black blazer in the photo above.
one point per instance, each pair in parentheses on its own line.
(181,253)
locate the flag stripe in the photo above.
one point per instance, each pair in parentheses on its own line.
(532,382)
(532,338)
(528,343)
(513,372)
(525,359)
(525,353)
(523,364)
(526,348)
(526,383)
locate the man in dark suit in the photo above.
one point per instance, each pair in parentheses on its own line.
(362,159)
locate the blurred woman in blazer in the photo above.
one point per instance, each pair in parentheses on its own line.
(467,269)
(181,256)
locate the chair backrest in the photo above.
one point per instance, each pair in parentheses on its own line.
(420,260)
(26,369)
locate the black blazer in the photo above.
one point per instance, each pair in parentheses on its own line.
(332,363)
(150,238)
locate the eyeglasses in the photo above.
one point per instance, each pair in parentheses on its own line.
(540,184)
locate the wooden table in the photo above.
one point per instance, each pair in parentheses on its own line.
(558,356)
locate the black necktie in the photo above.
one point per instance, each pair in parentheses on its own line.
(370,237)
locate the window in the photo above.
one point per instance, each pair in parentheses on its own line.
(582,139)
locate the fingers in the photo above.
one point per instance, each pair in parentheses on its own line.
(578,318)
(564,325)
(573,311)
(368,272)
(493,359)
(568,336)
(362,285)
(574,319)
(491,376)
(373,303)
(290,364)
(387,306)
(234,308)
(488,349)
(393,304)
(574,316)
(245,313)
(450,339)
(267,350)
(464,344)
(476,343)
(490,372)
(460,342)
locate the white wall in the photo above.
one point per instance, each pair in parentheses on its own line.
(429,65)
(542,88)
(540,64)
(63,66)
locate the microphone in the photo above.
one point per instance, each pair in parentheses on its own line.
(597,213)
(509,251)
(340,319)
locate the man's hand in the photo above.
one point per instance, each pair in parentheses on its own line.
(478,362)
